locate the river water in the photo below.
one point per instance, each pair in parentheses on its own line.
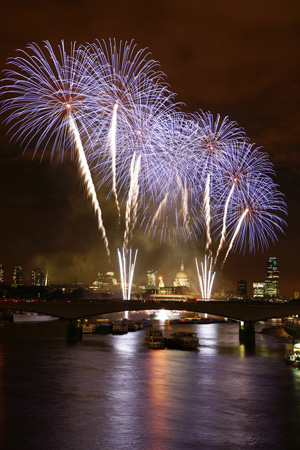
(112,393)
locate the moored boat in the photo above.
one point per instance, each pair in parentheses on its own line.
(104,328)
(140,325)
(154,339)
(182,341)
(147,323)
(32,317)
(119,328)
(89,328)
(132,326)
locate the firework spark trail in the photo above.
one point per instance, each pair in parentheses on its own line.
(126,266)
(131,272)
(235,235)
(112,143)
(135,196)
(185,208)
(158,212)
(222,240)
(206,280)
(131,203)
(86,174)
(207,213)
(121,273)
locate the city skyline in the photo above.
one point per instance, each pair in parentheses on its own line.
(267,287)
(46,209)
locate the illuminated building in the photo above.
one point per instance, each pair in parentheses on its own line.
(17,274)
(161,284)
(1,273)
(182,278)
(151,279)
(242,289)
(105,283)
(38,278)
(258,289)
(272,282)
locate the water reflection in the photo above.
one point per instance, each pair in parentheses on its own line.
(2,408)
(111,392)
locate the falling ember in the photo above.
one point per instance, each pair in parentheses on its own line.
(86,174)
(112,143)
(235,234)
(222,240)
(207,212)
(127,266)
(186,208)
(206,279)
(158,212)
(131,204)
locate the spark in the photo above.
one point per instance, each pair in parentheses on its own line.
(206,279)
(131,204)
(207,212)
(87,178)
(235,234)
(222,240)
(112,142)
(158,213)
(127,266)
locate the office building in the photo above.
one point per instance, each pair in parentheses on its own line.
(151,279)
(272,282)
(258,290)
(18,274)
(242,289)
(38,278)
(105,283)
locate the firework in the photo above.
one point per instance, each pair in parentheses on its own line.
(187,176)
(206,278)
(127,266)
(263,221)
(38,92)
(47,98)
(112,142)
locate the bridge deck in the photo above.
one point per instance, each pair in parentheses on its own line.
(251,312)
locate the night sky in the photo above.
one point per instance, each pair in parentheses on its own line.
(235,58)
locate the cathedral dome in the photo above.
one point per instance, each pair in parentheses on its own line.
(182,278)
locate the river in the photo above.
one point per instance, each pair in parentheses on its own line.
(111,393)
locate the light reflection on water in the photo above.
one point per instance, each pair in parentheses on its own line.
(110,392)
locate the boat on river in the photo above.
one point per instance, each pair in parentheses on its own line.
(132,326)
(154,339)
(119,328)
(32,317)
(88,328)
(182,341)
(293,358)
(104,328)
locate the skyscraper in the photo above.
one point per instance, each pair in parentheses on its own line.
(272,282)
(17,274)
(242,289)
(38,277)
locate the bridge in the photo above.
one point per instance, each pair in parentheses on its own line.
(247,313)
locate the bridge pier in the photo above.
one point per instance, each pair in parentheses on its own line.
(247,333)
(74,330)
